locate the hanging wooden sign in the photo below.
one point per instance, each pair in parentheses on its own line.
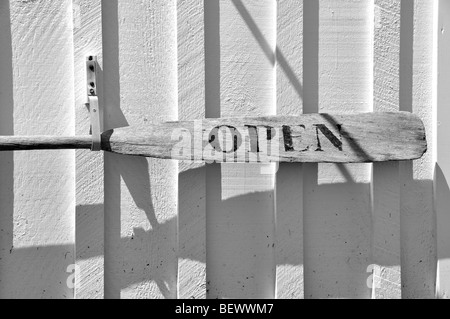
(316,138)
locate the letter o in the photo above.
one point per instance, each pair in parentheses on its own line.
(215,143)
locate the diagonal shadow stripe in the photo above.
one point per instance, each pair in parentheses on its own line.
(274,57)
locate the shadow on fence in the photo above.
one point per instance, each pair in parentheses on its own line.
(6,128)
(27,265)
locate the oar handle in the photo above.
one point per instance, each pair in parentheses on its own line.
(23,143)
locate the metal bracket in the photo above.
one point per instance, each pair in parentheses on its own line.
(93,101)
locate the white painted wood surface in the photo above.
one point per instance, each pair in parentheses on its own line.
(89,215)
(417,230)
(442,151)
(191,176)
(140,55)
(39,217)
(337,216)
(160,58)
(385,176)
(240,198)
(289,177)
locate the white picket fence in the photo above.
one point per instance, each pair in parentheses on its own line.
(80,224)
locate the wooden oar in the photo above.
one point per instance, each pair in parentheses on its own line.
(320,138)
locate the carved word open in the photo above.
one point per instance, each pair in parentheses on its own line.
(254,143)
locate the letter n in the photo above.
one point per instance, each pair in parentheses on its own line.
(337,142)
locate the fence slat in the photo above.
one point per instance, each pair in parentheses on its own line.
(89,216)
(385,176)
(140,56)
(242,231)
(442,170)
(289,178)
(417,230)
(337,197)
(240,198)
(191,176)
(39,222)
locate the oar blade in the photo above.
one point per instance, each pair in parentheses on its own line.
(311,138)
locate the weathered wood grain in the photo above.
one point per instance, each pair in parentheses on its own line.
(36,142)
(322,138)
(89,218)
(311,138)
